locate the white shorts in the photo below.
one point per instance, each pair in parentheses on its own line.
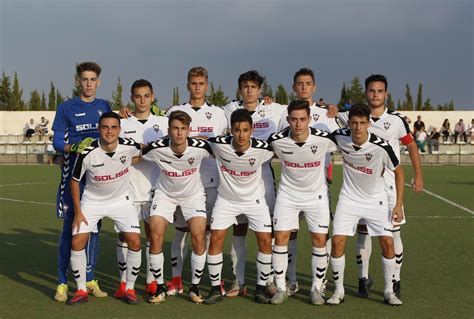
(142,210)
(211,195)
(225,214)
(164,206)
(121,212)
(288,213)
(349,213)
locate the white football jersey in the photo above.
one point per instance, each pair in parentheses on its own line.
(302,164)
(363,167)
(319,119)
(240,174)
(179,174)
(145,173)
(107,174)
(209,121)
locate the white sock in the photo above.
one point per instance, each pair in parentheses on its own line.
(122,250)
(214,266)
(363,252)
(78,267)
(398,245)
(197,267)
(338,264)
(179,250)
(280,264)
(149,274)
(292,253)
(134,261)
(238,254)
(388,267)
(156,267)
(264,268)
(319,266)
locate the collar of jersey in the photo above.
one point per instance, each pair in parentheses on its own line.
(100,146)
(381,116)
(205,105)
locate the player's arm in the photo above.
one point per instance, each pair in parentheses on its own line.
(416,163)
(397,212)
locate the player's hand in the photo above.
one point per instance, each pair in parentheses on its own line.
(267,100)
(78,219)
(397,214)
(79,147)
(125,112)
(332,110)
(417,184)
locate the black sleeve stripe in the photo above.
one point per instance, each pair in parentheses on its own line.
(194,142)
(342,131)
(164,142)
(322,133)
(405,124)
(374,139)
(255,143)
(76,173)
(279,135)
(221,139)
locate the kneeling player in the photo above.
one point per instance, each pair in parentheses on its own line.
(179,184)
(241,191)
(363,196)
(302,151)
(106,163)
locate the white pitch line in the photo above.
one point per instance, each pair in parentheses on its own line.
(22,184)
(441,217)
(446,200)
(25,201)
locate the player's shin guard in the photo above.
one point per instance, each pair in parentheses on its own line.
(149,274)
(280,265)
(197,267)
(122,251)
(214,266)
(292,254)
(179,250)
(319,266)
(264,268)
(238,255)
(156,267)
(338,264)
(398,245)
(388,267)
(134,260)
(92,251)
(363,251)
(78,267)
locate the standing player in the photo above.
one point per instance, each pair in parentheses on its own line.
(363,196)
(302,151)
(206,121)
(322,118)
(179,184)
(392,127)
(241,191)
(266,121)
(105,165)
(143,127)
(76,119)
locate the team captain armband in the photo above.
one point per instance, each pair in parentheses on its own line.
(407,139)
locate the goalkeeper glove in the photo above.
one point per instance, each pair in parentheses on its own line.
(79,147)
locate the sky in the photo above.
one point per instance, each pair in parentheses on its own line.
(409,41)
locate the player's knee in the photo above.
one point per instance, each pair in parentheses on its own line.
(133,242)
(337,246)
(78,242)
(386,245)
(319,240)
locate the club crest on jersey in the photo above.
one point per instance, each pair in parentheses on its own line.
(208,115)
(156,127)
(261,113)
(100,112)
(315,117)
(123,159)
(153,207)
(368,156)
(191,160)
(386,125)
(275,221)
(314,149)
(251,161)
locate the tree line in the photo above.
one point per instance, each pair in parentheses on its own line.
(11,96)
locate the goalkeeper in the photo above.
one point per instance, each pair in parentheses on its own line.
(74,126)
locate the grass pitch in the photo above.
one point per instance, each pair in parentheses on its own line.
(437,276)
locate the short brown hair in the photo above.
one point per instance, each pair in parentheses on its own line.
(181,116)
(88,66)
(298,105)
(197,71)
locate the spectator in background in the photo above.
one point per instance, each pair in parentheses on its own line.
(50,151)
(347,105)
(459,129)
(446,130)
(43,126)
(421,138)
(470,130)
(433,144)
(30,129)
(321,102)
(418,125)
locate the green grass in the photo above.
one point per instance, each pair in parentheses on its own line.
(437,276)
